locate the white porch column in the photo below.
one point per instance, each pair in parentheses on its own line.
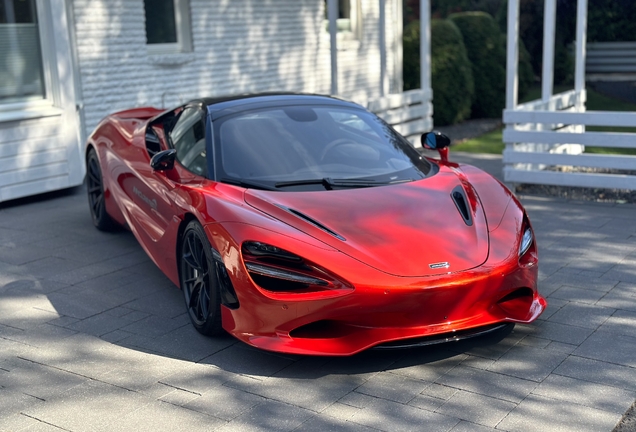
(512,59)
(384,83)
(581,37)
(549,25)
(332,15)
(425,44)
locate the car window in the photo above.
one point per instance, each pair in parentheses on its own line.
(290,144)
(188,138)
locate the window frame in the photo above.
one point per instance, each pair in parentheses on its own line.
(183,29)
(204,119)
(49,104)
(355,31)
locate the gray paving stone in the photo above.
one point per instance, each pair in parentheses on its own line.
(44,381)
(224,402)
(160,416)
(393,387)
(100,324)
(269,416)
(91,405)
(197,378)
(622,322)
(425,402)
(151,325)
(593,395)
(314,394)
(551,415)
(488,383)
(515,363)
(600,372)
(391,416)
(622,296)
(562,332)
(464,426)
(14,401)
(582,315)
(240,358)
(183,343)
(439,391)
(323,423)
(610,347)
(476,408)
(577,295)
(427,365)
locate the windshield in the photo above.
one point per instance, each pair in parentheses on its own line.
(312,148)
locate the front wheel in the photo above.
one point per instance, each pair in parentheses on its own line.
(199,281)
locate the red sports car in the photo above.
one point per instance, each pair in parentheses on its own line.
(305,224)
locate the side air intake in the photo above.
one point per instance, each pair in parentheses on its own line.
(459,198)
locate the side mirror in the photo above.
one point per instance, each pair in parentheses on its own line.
(435,140)
(164,160)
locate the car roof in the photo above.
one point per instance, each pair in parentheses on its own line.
(221,106)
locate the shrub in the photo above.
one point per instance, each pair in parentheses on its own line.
(482,39)
(451,73)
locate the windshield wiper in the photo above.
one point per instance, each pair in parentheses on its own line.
(329,183)
(247,184)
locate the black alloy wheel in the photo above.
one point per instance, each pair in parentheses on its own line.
(95,188)
(199,281)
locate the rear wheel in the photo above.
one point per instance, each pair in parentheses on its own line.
(95,189)
(199,281)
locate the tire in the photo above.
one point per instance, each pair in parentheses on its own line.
(199,281)
(95,190)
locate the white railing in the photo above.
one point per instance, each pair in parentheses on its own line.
(410,113)
(557,130)
(611,57)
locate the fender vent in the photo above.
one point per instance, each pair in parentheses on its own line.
(313,222)
(459,198)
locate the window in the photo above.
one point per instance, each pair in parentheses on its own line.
(349,22)
(21,72)
(168,26)
(188,138)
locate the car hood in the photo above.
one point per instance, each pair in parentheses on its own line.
(409,229)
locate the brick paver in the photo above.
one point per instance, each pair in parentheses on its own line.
(94,337)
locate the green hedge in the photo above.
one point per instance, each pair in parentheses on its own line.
(451,73)
(483,42)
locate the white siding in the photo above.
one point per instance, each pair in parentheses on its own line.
(239,46)
(40,148)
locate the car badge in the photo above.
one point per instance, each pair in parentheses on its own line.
(439,265)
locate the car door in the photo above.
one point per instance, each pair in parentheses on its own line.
(155,214)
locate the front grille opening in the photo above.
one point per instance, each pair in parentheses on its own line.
(459,198)
(518,303)
(277,285)
(324,329)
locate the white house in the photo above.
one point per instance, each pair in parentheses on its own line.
(68,63)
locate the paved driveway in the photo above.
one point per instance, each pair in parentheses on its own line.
(94,337)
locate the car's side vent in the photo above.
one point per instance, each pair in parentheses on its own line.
(459,198)
(313,222)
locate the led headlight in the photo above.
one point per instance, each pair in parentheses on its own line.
(526,241)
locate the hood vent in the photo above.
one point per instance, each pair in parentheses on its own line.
(459,198)
(313,222)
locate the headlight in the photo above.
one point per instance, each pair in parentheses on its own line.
(277,270)
(526,241)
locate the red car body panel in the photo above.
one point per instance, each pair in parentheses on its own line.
(392,235)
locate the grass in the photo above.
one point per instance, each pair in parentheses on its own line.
(491,142)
